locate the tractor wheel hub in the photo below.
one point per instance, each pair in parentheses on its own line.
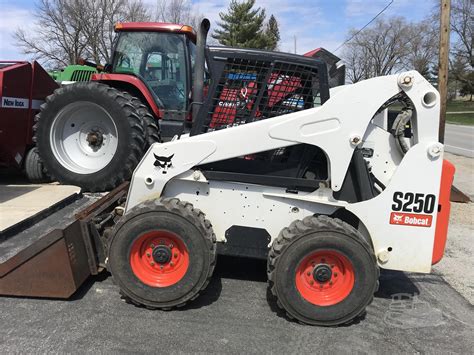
(95,139)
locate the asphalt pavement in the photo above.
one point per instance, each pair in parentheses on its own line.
(410,314)
(459,139)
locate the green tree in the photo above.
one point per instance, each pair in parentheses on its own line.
(244,26)
(467,89)
(273,33)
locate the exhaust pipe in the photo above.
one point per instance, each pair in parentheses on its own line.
(198,82)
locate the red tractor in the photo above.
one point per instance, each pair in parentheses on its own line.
(93,134)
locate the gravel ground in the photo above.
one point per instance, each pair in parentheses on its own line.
(464,176)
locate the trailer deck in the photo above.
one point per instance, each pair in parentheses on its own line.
(22,201)
(51,249)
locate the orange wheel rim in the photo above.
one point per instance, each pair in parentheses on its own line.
(325,278)
(159,258)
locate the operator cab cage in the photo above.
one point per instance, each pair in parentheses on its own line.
(248,85)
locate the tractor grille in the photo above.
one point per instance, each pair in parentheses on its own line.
(81,75)
(251,85)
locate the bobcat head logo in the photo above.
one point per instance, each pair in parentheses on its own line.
(163,162)
(397,218)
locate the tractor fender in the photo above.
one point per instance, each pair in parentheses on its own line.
(133,85)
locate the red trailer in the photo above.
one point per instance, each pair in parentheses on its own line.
(23,88)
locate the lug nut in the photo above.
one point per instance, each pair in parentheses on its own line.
(335,274)
(330,282)
(311,282)
(148,254)
(161,267)
(308,273)
(152,263)
(171,264)
(171,246)
(152,245)
(175,255)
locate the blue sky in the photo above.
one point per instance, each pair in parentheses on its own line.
(315,23)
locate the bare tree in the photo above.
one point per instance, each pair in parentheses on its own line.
(378,50)
(391,45)
(461,41)
(462,26)
(177,11)
(58,34)
(66,31)
(102,15)
(358,63)
(422,48)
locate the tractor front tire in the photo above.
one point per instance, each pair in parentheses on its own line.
(162,254)
(34,169)
(89,134)
(322,271)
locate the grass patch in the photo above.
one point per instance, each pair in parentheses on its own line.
(460,118)
(459,106)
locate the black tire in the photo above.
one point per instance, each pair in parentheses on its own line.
(131,135)
(170,215)
(34,168)
(149,122)
(311,235)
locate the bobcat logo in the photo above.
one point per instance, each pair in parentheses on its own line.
(397,218)
(163,162)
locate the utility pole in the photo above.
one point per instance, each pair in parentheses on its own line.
(294,37)
(443,63)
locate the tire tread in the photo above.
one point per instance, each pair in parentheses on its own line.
(300,228)
(196,217)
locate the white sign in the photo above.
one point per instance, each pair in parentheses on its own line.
(14,102)
(18,102)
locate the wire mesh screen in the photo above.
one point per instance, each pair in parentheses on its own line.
(246,88)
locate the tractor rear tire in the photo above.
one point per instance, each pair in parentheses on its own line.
(150,123)
(162,254)
(34,169)
(322,271)
(89,135)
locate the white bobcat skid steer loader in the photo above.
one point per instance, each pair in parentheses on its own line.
(329,188)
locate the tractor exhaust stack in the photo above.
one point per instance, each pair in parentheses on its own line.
(198,82)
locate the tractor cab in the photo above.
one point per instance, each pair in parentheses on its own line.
(154,61)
